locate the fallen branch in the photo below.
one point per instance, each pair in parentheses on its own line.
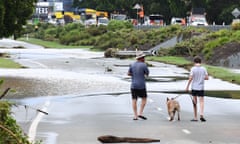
(39,110)
(4,93)
(115,139)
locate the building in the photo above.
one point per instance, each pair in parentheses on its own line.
(45,8)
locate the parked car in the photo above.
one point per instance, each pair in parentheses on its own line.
(178,21)
(102,21)
(90,22)
(156,19)
(198,20)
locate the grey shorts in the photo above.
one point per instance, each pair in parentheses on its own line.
(142,93)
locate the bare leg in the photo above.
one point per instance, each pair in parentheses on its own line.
(195,107)
(134,106)
(144,101)
(201,99)
(201,102)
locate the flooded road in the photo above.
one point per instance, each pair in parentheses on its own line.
(87,95)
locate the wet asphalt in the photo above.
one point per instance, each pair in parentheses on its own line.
(87,96)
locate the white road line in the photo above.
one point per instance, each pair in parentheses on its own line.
(159,109)
(33,127)
(37,63)
(150,100)
(186,131)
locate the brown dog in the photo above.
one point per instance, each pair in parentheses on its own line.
(173,106)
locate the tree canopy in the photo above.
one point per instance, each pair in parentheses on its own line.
(217,11)
(13,15)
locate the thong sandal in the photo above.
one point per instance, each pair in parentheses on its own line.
(142,117)
(202,119)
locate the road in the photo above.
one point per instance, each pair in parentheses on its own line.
(85,100)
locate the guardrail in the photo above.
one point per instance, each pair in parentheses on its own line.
(126,53)
(210,27)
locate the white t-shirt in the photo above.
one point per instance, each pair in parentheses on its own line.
(198,74)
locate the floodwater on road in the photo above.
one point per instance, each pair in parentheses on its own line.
(83,92)
(83,76)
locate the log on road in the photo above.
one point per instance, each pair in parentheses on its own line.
(115,139)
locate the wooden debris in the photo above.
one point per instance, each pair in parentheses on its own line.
(115,139)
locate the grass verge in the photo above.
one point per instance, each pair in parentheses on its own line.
(216,72)
(8,63)
(51,44)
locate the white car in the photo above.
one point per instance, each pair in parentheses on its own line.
(102,21)
(177,21)
(90,22)
(198,21)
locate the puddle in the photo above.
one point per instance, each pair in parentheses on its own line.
(161,78)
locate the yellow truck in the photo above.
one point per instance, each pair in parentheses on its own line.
(61,14)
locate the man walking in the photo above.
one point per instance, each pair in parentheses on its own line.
(138,70)
(197,76)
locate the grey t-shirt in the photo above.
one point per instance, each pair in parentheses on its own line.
(138,70)
(198,74)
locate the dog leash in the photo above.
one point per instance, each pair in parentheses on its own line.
(177,96)
(189,95)
(192,99)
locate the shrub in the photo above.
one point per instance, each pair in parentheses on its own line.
(95,31)
(208,49)
(236,25)
(110,52)
(115,25)
(74,26)
(10,132)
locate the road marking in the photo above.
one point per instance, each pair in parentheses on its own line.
(159,109)
(33,127)
(150,100)
(186,131)
(37,63)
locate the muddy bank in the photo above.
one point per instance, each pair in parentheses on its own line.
(227,55)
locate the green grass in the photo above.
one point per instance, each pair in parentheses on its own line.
(180,61)
(216,72)
(223,74)
(8,63)
(50,44)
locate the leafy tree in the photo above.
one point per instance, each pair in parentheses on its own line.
(218,11)
(13,15)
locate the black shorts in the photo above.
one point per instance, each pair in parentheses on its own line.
(198,93)
(142,93)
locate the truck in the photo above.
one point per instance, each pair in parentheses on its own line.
(197,17)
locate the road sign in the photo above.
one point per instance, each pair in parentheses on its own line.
(137,6)
(236,12)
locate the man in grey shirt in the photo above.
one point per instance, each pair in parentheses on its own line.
(138,70)
(198,75)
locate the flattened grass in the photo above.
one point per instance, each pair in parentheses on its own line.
(215,71)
